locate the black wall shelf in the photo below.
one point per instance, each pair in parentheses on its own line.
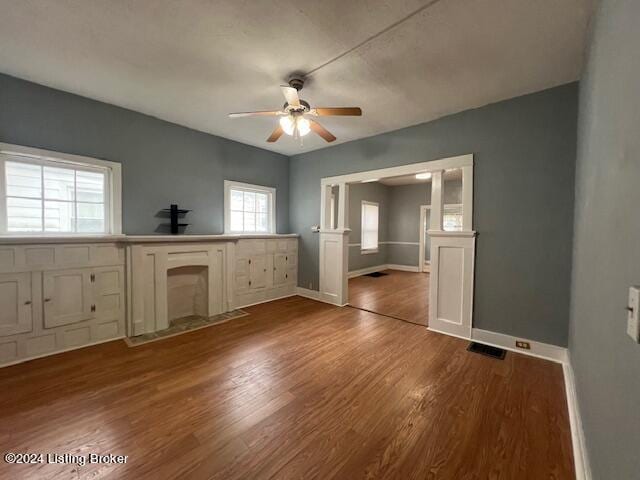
(175,214)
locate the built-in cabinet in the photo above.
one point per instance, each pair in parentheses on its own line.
(265,269)
(16,315)
(57,297)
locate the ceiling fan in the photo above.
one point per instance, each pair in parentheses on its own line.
(294,116)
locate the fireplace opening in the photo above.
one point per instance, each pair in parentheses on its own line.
(187,293)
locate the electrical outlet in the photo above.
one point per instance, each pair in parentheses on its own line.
(523,345)
(633,315)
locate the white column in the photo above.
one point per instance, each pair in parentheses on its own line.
(325,207)
(343,206)
(437,200)
(467,198)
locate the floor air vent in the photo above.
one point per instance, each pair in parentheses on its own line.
(376,274)
(487,350)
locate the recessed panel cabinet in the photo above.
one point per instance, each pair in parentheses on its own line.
(264,270)
(16,315)
(280,269)
(54,297)
(67,297)
(258,271)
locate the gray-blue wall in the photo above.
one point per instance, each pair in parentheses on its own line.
(371,192)
(606,258)
(162,163)
(523,202)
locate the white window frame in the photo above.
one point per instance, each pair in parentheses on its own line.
(363,250)
(271,195)
(37,156)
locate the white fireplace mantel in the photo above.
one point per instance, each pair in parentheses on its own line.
(241,270)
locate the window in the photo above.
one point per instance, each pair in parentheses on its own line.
(452,218)
(44,193)
(249,208)
(369,231)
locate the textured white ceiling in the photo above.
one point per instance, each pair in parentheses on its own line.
(193,61)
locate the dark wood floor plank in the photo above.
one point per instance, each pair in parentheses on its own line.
(297,389)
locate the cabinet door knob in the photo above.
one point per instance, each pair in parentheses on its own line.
(47,299)
(28,302)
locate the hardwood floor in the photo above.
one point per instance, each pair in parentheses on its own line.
(296,389)
(403,295)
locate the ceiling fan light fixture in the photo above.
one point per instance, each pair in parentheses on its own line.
(295,125)
(303,125)
(292,119)
(423,176)
(288,125)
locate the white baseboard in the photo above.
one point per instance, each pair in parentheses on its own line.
(403,268)
(380,268)
(306,293)
(580,456)
(367,270)
(538,349)
(263,301)
(316,295)
(63,350)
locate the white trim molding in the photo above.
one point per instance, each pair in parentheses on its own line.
(333,252)
(389,243)
(380,268)
(69,349)
(371,175)
(366,271)
(403,268)
(580,454)
(306,293)
(538,349)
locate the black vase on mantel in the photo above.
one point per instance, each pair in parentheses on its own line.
(174,214)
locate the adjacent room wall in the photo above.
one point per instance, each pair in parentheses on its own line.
(371,192)
(606,260)
(404,218)
(162,163)
(524,151)
(404,222)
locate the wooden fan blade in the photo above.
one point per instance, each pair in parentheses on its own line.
(320,130)
(270,113)
(276,134)
(291,95)
(345,111)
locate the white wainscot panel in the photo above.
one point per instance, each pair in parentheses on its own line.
(451,296)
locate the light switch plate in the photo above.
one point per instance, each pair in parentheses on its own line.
(633,314)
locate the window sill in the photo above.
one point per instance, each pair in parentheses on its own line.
(369,251)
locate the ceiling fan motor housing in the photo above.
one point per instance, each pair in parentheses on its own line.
(297,83)
(303,103)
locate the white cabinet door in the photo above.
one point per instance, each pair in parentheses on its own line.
(279,269)
(108,288)
(67,297)
(16,307)
(257,271)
